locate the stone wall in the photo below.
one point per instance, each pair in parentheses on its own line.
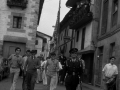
(29,22)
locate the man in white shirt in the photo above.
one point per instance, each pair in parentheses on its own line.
(110,72)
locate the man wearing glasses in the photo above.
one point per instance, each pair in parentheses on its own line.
(15,62)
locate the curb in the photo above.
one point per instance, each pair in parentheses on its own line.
(91,87)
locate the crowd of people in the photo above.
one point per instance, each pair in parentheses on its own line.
(54,70)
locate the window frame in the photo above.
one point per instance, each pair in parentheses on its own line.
(18,21)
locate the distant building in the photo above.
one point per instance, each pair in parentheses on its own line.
(18,24)
(42,44)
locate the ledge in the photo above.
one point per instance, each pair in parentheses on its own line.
(113,31)
(16,30)
(15,39)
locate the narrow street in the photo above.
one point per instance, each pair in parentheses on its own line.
(5,85)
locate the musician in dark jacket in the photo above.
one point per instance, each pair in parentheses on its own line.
(72,69)
(62,60)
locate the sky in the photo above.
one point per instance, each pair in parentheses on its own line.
(49,15)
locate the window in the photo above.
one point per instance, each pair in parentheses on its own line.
(61,36)
(43,48)
(83,38)
(104,17)
(114,12)
(36,42)
(112,49)
(77,37)
(17,21)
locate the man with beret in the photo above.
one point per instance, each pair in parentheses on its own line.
(72,69)
(32,64)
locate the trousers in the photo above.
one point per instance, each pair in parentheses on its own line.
(15,74)
(52,82)
(24,83)
(30,80)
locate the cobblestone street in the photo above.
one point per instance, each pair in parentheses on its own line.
(5,85)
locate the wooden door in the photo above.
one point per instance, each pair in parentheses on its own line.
(9,48)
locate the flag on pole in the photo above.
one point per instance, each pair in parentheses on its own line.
(57,26)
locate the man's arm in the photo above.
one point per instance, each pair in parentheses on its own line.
(25,67)
(103,72)
(83,62)
(46,65)
(9,60)
(38,64)
(57,67)
(116,72)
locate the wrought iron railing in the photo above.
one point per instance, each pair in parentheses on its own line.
(17,3)
(81,16)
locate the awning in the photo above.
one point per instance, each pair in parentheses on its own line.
(89,49)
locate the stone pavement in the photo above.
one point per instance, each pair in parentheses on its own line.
(5,85)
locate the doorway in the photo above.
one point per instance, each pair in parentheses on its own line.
(9,48)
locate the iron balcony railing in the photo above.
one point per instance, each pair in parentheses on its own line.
(81,16)
(17,3)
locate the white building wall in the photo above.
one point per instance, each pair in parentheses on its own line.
(88,37)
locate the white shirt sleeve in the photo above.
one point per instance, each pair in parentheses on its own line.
(60,66)
(42,63)
(116,71)
(104,69)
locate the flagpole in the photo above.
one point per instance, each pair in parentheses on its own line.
(58,27)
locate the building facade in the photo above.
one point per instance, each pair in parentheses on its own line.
(42,44)
(108,43)
(18,24)
(79,29)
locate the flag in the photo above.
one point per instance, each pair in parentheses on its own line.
(57,26)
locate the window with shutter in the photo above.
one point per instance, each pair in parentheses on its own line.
(114,12)
(112,49)
(77,36)
(83,38)
(17,21)
(36,42)
(104,17)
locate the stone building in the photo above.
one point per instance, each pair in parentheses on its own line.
(18,24)
(108,41)
(42,44)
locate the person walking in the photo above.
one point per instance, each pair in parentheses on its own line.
(62,60)
(51,70)
(43,64)
(32,64)
(82,65)
(39,71)
(25,57)
(72,70)
(15,63)
(110,73)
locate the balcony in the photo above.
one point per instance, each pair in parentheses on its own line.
(71,3)
(81,17)
(17,3)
